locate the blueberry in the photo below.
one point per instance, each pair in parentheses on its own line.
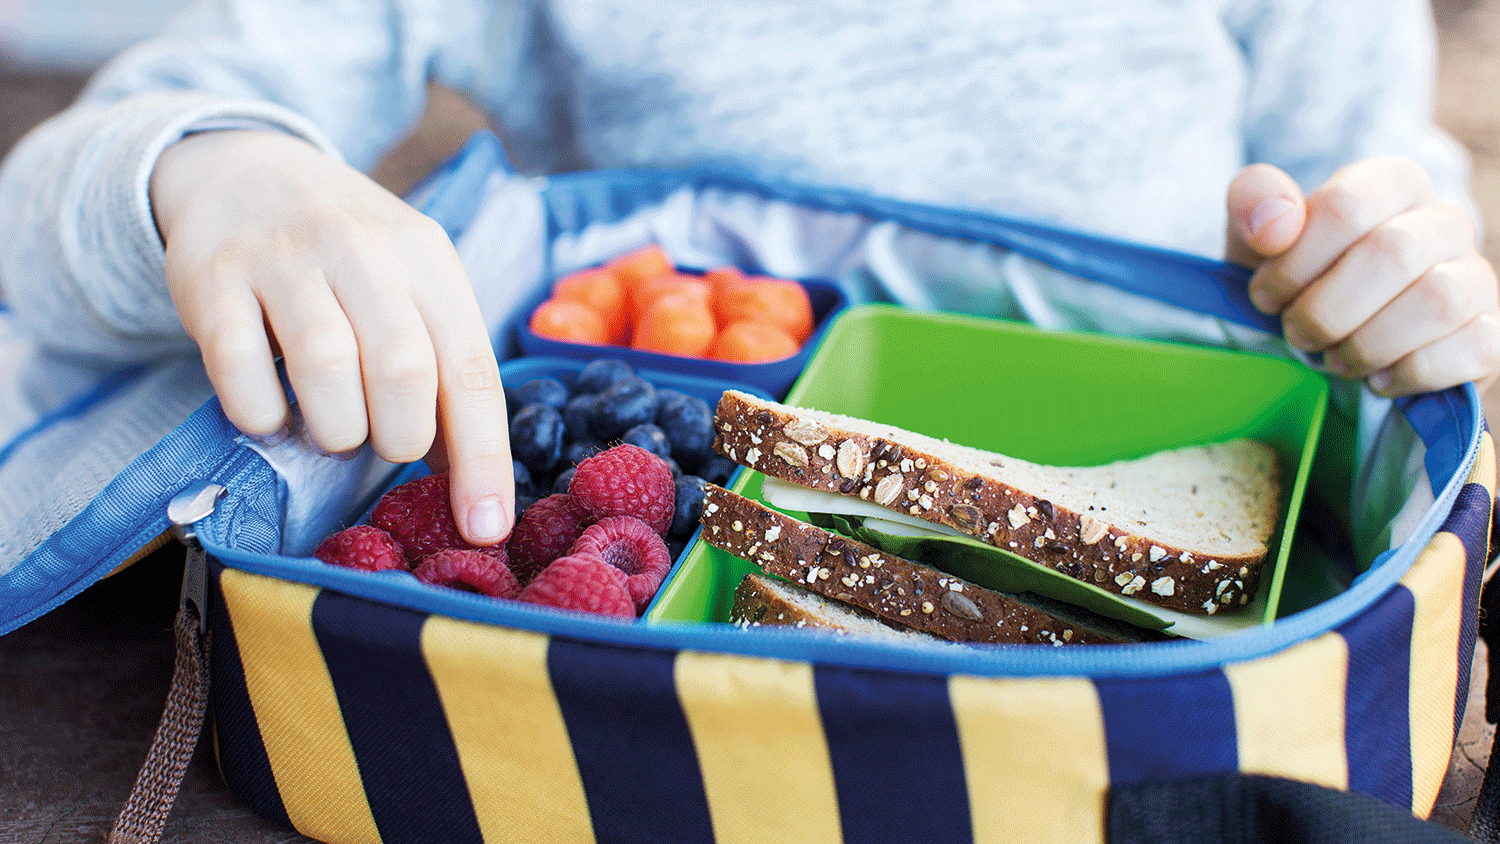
(560,485)
(597,375)
(575,451)
(626,403)
(522,476)
(665,395)
(688,505)
(689,425)
(578,416)
(536,435)
(523,501)
(717,469)
(648,436)
(675,547)
(512,402)
(676,469)
(548,391)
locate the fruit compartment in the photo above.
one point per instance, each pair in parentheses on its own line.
(773,377)
(1049,397)
(519,371)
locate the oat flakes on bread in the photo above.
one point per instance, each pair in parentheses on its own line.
(1186,528)
(899,591)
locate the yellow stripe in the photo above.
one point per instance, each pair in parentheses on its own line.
(1436,581)
(1034,758)
(1484,464)
(296,709)
(1289,712)
(511,739)
(761,747)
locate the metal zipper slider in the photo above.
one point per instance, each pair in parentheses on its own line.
(195,503)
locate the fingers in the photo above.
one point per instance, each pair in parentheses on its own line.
(1471,353)
(230,332)
(1355,200)
(1376,270)
(1266,215)
(470,403)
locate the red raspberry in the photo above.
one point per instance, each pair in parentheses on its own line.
(629,544)
(581,582)
(475,571)
(545,531)
(625,480)
(362,547)
(418,515)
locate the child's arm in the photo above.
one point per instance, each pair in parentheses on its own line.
(258,220)
(1373,270)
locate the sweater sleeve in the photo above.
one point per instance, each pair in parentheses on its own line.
(82,265)
(1331,83)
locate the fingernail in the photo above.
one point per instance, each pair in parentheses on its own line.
(275,438)
(1267,212)
(1380,381)
(341,456)
(484,520)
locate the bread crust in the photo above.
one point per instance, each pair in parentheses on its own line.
(761,600)
(772,439)
(899,591)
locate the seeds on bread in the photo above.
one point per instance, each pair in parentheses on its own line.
(1187,528)
(899,591)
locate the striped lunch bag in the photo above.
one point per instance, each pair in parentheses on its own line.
(357,707)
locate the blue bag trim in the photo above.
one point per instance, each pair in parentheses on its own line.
(126,515)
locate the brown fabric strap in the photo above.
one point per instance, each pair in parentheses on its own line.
(144,815)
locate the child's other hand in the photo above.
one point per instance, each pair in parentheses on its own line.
(275,248)
(1371,269)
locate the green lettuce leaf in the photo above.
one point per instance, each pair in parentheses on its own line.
(993,568)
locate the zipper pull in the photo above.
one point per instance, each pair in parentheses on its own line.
(196,502)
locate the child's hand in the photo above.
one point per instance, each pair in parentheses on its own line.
(1373,270)
(274,248)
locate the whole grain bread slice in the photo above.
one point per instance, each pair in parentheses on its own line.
(764,601)
(898,591)
(1187,528)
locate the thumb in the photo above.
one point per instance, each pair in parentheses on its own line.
(1266,215)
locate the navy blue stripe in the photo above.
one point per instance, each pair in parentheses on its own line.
(394,718)
(1470,522)
(634,749)
(1377,716)
(242,752)
(897,762)
(1166,728)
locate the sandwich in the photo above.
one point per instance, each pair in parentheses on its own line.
(1185,530)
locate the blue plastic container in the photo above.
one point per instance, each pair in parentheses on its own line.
(772,377)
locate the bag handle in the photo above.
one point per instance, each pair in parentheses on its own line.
(144,815)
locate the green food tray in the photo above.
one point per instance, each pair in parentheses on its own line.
(1064,398)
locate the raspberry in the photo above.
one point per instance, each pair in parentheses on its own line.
(545,531)
(581,582)
(362,547)
(629,544)
(474,571)
(418,515)
(625,480)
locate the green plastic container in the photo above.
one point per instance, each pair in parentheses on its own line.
(1062,398)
